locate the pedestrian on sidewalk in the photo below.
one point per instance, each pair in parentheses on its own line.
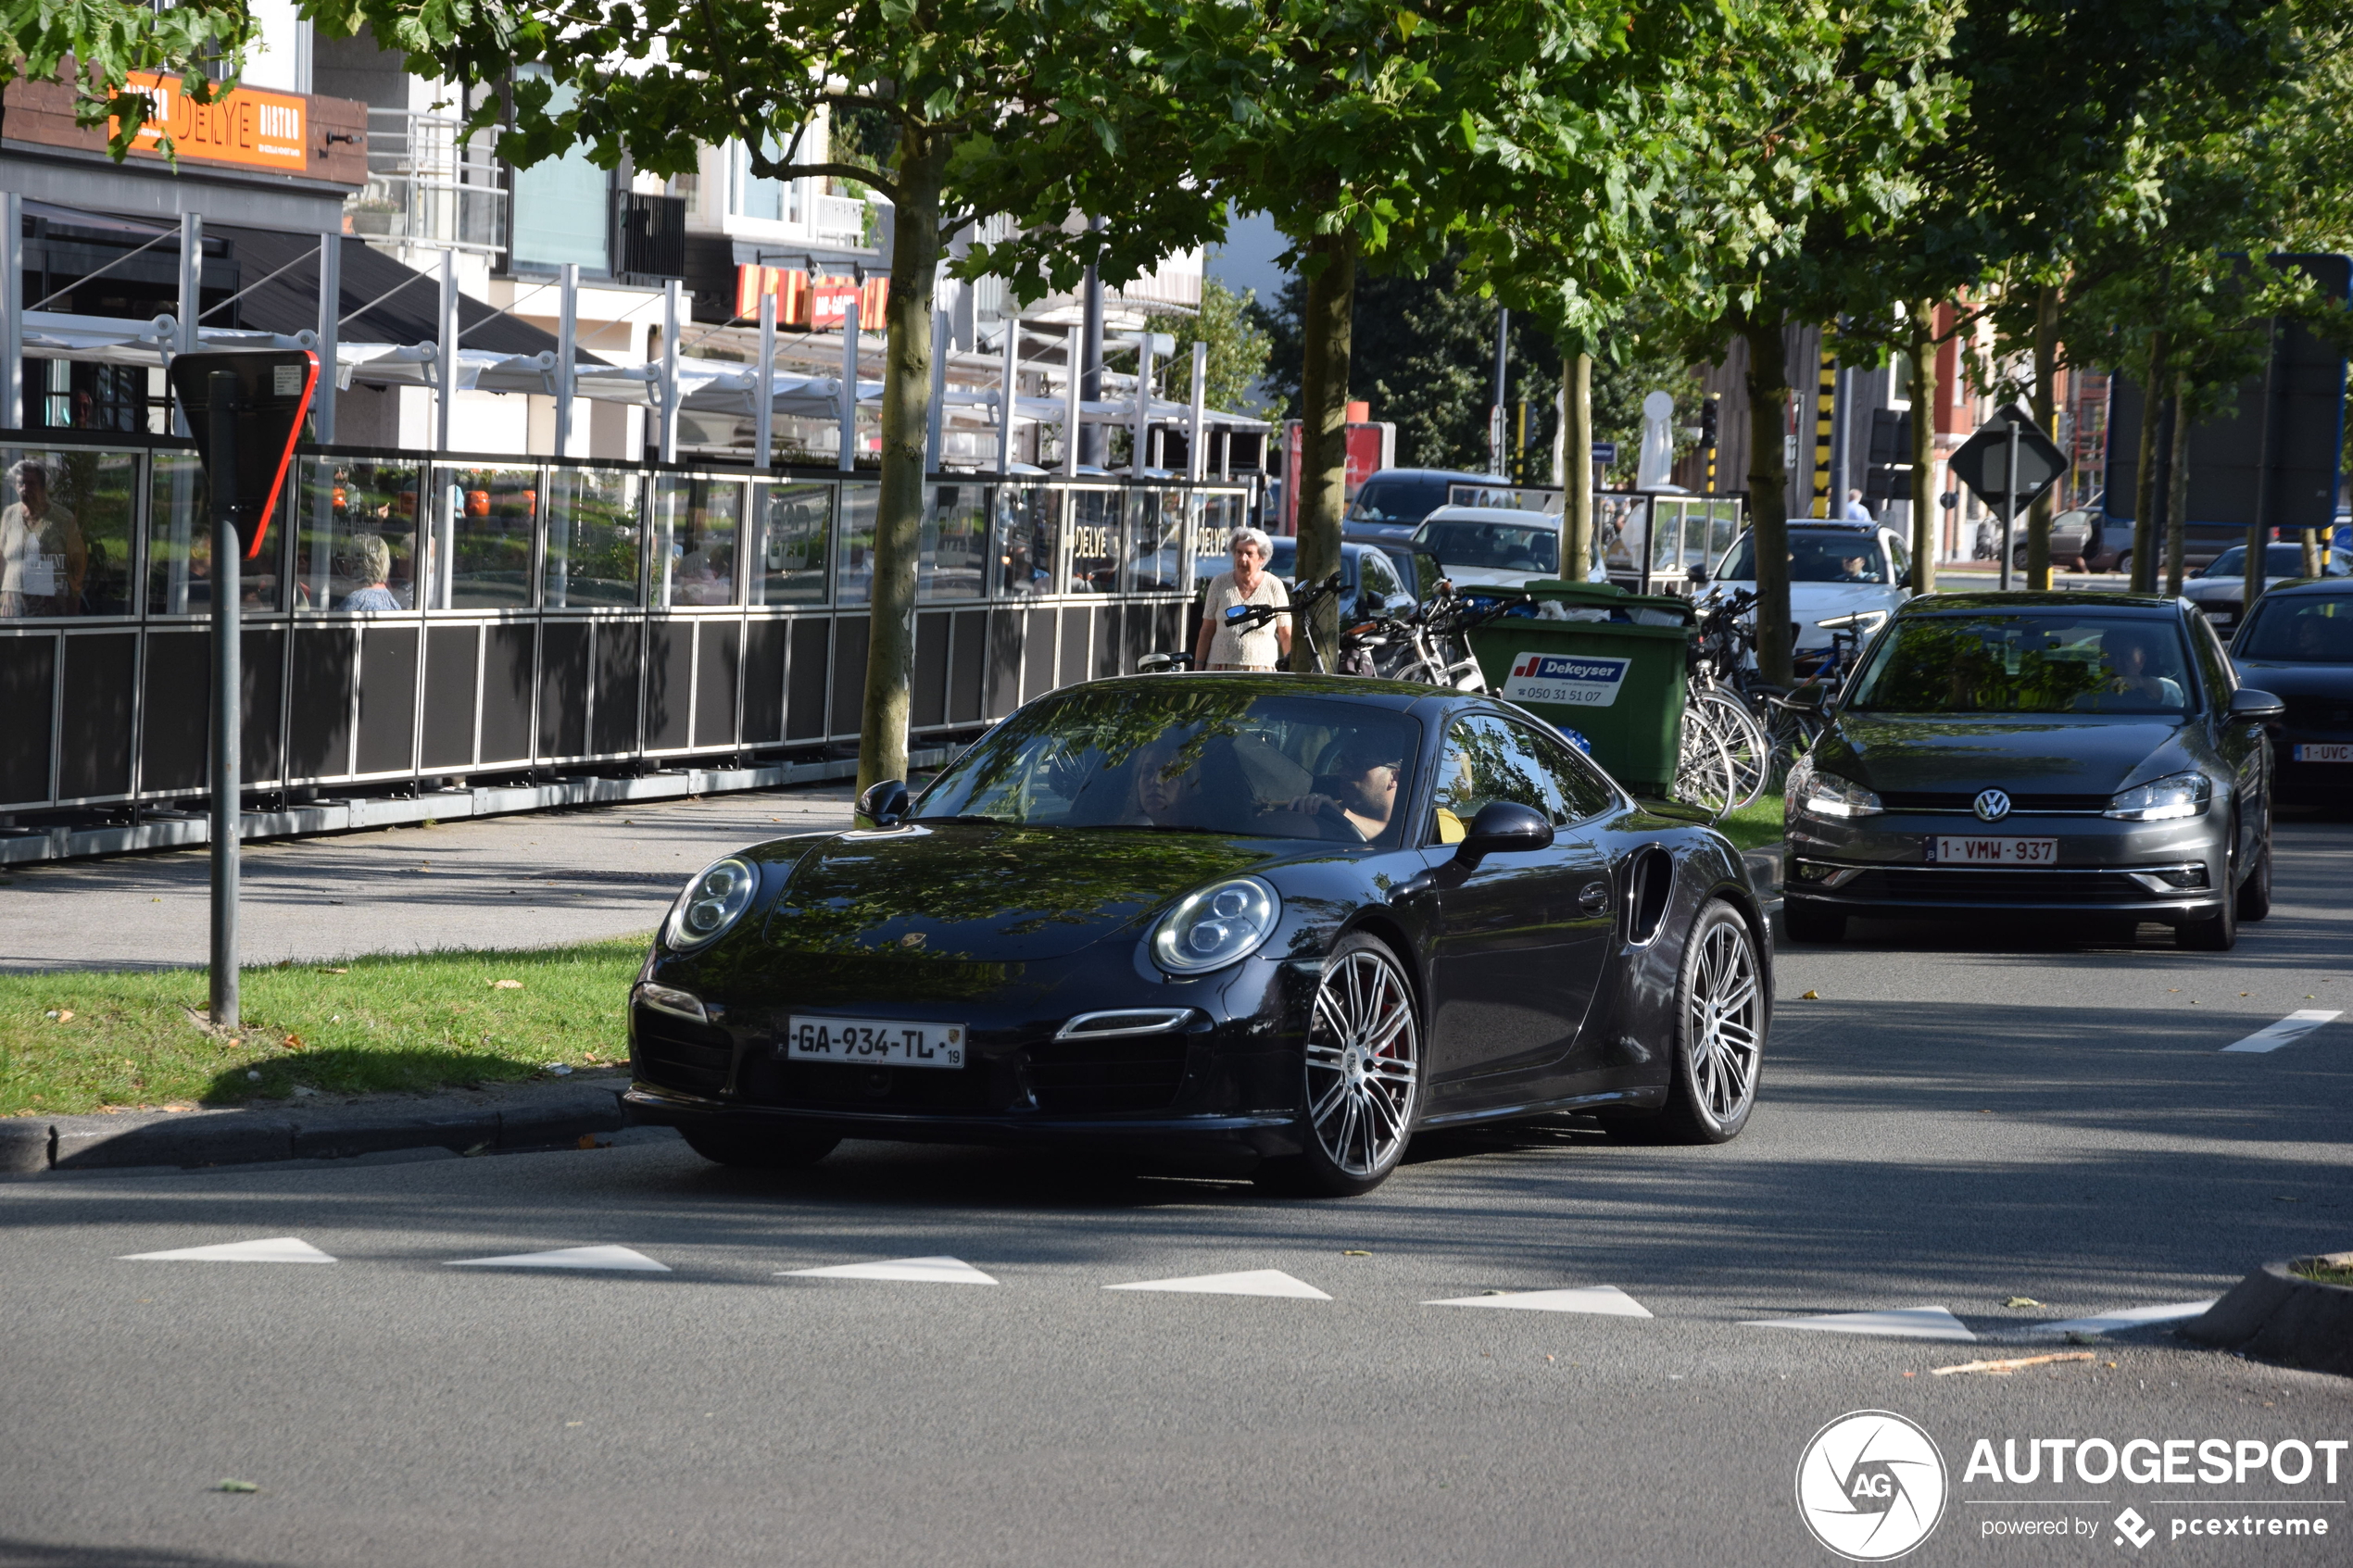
(1219,645)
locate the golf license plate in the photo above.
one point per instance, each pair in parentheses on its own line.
(1974,851)
(874,1041)
(2324,754)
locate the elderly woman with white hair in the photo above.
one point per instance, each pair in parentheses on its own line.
(1222,646)
(42,559)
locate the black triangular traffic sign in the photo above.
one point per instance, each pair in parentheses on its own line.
(273,390)
(1981,462)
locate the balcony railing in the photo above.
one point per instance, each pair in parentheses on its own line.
(840,219)
(428,184)
(653,237)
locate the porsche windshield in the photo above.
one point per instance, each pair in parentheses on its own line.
(2073,663)
(1204,756)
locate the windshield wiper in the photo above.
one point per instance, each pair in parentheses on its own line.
(968,817)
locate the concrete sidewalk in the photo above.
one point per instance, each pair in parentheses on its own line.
(526,881)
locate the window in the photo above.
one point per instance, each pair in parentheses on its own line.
(796,526)
(1902,555)
(749,194)
(65,532)
(1489,759)
(1156,542)
(2300,631)
(1028,533)
(855,579)
(1582,787)
(695,530)
(562,206)
(2213,664)
(1094,542)
(1378,582)
(179,544)
(1823,557)
(355,535)
(952,552)
(478,551)
(1495,546)
(593,538)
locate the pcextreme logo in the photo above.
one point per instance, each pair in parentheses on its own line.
(1870,1486)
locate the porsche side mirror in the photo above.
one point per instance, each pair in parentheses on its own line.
(2248,703)
(1810,697)
(1504,827)
(884,805)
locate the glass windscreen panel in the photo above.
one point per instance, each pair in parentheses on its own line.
(1215,760)
(2279,560)
(1096,517)
(795,533)
(1028,533)
(1621,527)
(854,578)
(65,532)
(1213,531)
(355,525)
(2075,663)
(1386,499)
(594,540)
(479,545)
(1844,557)
(952,561)
(1156,541)
(2300,630)
(696,524)
(179,544)
(1494,546)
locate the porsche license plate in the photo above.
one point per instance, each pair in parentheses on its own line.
(1943,851)
(874,1041)
(2324,754)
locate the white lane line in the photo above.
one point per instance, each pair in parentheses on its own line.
(621,1257)
(2125,1317)
(2286,1031)
(1605,1300)
(1903,1323)
(921,1270)
(1250,1282)
(276,1249)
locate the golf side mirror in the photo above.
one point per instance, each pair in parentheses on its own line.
(2248,703)
(884,805)
(1504,827)
(1698,575)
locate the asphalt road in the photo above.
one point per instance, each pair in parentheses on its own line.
(1960,1119)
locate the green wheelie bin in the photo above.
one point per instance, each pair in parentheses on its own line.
(1609,670)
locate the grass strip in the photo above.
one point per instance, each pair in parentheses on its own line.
(1757,825)
(83,1040)
(2324,1272)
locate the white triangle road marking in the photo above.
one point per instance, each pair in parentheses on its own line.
(276,1249)
(1250,1282)
(2125,1317)
(1605,1300)
(619,1258)
(2286,1031)
(922,1271)
(1903,1323)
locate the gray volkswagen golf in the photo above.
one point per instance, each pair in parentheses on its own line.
(2059,754)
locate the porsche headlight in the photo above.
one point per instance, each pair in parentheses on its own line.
(1826,795)
(1215,926)
(712,903)
(2161,800)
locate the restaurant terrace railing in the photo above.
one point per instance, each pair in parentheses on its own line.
(418,617)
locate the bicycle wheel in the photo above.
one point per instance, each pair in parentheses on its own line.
(1704,775)
(1744,739)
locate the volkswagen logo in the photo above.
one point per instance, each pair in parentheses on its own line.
(1992,805)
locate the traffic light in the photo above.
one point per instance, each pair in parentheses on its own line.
(1708,420)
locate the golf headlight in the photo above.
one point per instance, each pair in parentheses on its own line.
(1224,922)
(2180,795)
(712,903)
(1826,795)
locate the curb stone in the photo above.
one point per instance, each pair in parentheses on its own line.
(2279,1316)
(507,1118)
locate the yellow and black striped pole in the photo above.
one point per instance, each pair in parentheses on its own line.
(1825,409)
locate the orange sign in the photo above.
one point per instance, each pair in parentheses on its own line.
(249,126)
(801,302)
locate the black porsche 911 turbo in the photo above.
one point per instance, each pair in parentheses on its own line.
(1242,924)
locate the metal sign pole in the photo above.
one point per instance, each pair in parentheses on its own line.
(1008,395)
(11,310)
(322,406)
(2009,504)
(850,325)
(567,345)
(445,351)
(227,687)
(764,410)
(191,301)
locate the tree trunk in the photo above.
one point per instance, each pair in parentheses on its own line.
(2038,518)
(921,161)
(1924,502)
(2177,487)
(1768,491)
(2144,577)
(1576,467)
(1328,326)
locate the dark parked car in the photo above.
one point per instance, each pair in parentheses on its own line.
(2041,754)
(2299,643)
(1370,581)
(1233,921)
(2220,587)
(1392,503)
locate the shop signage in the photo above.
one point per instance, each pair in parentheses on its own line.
(243,126)
(803,301)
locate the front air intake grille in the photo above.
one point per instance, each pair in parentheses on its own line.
(1085,1077)
(1966,800)
(676,1054)
(1995,886)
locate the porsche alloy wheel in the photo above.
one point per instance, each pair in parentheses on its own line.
(1362,1068)
(1719,1034)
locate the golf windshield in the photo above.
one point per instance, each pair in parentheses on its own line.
(1814,558)
(1493,547)
(1203,756)
(2071,663)
(2298,630)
